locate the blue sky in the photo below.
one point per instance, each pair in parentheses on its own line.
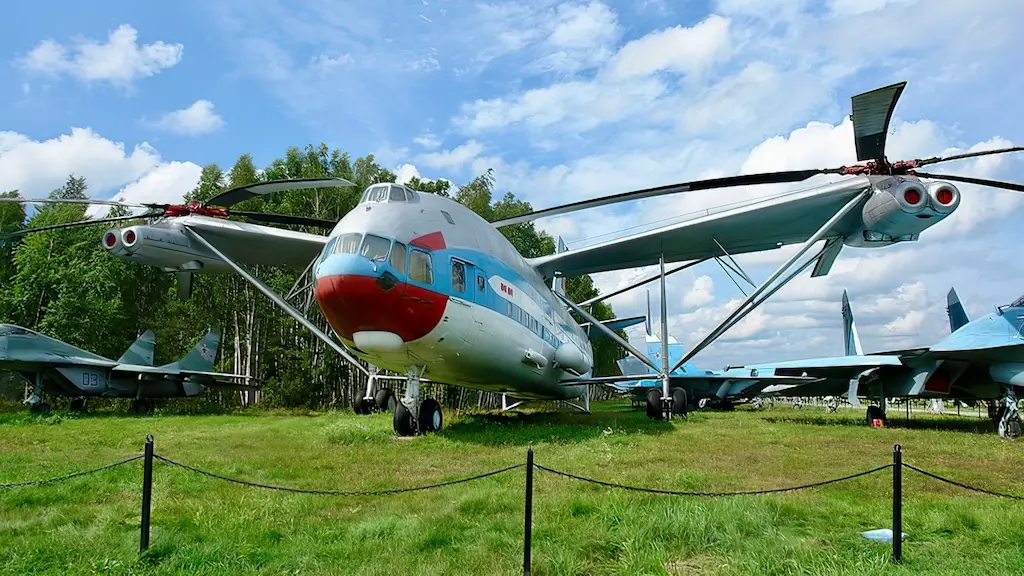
(564,100)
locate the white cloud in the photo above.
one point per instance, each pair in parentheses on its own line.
(677,49)
(700,294)
(453,158)
(165,184)
(907,325)
(199,118)
(37,167)
(406,172)
(119,61)
(427,140)
(581,37)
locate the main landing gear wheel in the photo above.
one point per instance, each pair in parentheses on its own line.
(431,418)
(39,408)
(875,413)
(78,405)
(385,400)
(143,406)
(679,401)
(654,411)
(403,421)
(362,406)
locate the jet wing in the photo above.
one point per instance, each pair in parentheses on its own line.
(166,371)
(720,384)
(751,227)
(252,244)
(839,367)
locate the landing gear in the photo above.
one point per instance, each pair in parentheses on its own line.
(384,400)
(1007,418)
(369,402)
(875,413)
(79,405)
(654,405)
(679,401)
(143,406)
(411,416)
(656,409)
(39,408)
(362,406)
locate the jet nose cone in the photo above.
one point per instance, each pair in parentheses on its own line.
(368,302)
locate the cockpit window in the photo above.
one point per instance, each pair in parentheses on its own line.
(375,248)
(421,268)
(397,194)
(378,194)
(348,243)
(1019,303)
(329,248)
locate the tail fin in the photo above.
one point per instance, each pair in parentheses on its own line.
(140,352)
(850,337)
(203,356)
(957,314)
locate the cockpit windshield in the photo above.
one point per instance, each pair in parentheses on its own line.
(386,193)
(1018,303)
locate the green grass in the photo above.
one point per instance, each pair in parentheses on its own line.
(90,525)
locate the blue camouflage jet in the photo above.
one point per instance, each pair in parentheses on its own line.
(981,360)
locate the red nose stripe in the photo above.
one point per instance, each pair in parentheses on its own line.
(353,303)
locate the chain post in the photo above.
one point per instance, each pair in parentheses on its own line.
(147,494)
(528,515)
(897,503)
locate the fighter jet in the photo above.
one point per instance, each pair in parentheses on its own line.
(60,369)
(980,360)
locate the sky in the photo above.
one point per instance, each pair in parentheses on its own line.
(564,101)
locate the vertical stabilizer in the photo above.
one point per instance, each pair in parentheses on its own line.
(851,339)
(558,283)
(957,314)
(202,357)
(140,352)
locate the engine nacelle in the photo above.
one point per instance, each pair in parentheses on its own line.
(167,248)
(901,208)
(572,359)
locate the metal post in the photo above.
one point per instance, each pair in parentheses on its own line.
(897,503)
(147,494)
(528,516)
(666,399)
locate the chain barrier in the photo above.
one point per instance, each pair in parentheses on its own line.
(70,476)
(696,493)
(336,492)
(962,485)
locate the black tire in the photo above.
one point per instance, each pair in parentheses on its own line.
(654,405)
(1013,428)
(385,400)
(679,401)
(360,406)
(403,421)
(875,413)
(431,418)
(40,408)
(78,405)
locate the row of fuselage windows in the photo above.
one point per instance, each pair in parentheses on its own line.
(523,317)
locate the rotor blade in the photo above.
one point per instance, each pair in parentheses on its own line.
(87,201)
(726,182)
(872,112)
(285,219)
(937,159)
(76,224)
(233,196)
(979,181)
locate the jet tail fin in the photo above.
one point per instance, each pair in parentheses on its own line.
(202,357)
(851,339)
(140,352)
(957,314)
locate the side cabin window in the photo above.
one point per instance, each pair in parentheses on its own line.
(481,283)
(348,243)
(421,267)
(458,276)
(375,248)
(398,257)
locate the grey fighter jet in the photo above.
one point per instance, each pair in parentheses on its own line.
(60,369)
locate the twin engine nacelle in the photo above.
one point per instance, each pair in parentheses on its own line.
(900,209)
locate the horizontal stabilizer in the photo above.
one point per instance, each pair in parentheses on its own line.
(141,351)
(615,325)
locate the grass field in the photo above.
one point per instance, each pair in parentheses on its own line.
(205,526)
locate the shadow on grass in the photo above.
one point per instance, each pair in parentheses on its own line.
(557,427)
(974,426)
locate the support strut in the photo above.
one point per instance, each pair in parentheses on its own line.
(745,308)
(277,300)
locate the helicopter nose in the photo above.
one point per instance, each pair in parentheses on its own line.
(372,305)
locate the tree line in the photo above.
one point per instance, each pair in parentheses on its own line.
(62,283)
